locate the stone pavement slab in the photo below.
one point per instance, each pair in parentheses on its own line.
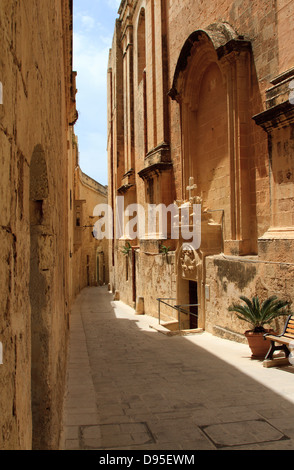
(132,388)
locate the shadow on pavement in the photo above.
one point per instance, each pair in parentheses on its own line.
(159,392)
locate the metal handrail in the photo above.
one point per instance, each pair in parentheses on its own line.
(160,300)
(176,307)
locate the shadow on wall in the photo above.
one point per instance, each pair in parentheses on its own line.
(39,288)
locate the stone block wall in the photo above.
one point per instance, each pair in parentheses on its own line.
(35,70)
(228,278)
(91,255)
(215,106)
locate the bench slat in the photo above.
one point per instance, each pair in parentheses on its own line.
(290,335)
(284,341)
(280,339)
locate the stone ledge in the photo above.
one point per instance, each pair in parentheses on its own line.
(279,361)
(278,233)
(166,331)
(225,333)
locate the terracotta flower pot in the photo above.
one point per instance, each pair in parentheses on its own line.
(258,345)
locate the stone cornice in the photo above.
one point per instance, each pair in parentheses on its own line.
(279,103)
(92,184)
(275,117)
(155,169)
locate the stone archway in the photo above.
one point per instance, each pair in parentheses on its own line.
(39,289)
(205,130)
(212,86)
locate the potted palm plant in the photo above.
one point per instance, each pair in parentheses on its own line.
(258,315)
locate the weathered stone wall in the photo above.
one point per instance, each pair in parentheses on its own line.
(266,24)
(91,255)
(35,68)
(146,274)
(227,122)
(157,279)
(228,277)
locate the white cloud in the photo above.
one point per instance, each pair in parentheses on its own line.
(88,22)
(114,4)
(94,22)
(90,61)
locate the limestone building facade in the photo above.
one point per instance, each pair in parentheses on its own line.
(199,94)
(88,252)
(41,270)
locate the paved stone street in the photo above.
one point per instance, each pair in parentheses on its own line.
(131,387)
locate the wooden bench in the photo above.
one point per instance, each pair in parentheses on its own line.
(280,343)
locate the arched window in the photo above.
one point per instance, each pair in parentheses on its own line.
(141,70)
(141,46)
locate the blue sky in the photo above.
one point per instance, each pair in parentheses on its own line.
(94,22)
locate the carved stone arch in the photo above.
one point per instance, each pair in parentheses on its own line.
(217,35)
(141,44)
(39,188)
(189,82)
(212,86)
(204,115)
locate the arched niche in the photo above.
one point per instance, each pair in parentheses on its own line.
(212,86)
(217,34)
(141,45)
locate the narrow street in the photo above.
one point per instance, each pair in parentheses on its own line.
(131,387)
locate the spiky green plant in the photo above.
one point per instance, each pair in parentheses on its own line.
(126,249)
(257,314)
(164,249)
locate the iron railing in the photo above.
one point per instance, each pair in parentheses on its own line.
(179,308)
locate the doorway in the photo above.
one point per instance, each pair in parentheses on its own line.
(134,276)
(88,270)
(97,270)
(193,299)
(100,274)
